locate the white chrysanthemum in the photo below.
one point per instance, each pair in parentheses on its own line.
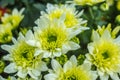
(104,53)
(53,38)
(14,19)
(5,33)
(70,71)
(67,13)
(22,58)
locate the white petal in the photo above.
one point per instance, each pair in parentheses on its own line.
(21,37)
(86,66)
(37,52)
(50,77)
(36,72)
(94,75)
(65,48)
(100,73)
(47,54)
(1,78)
(7,48)
(73,60)
(10,68)
(74,45)
(33,75)
(95,36)
(8,57)
(68,65)
(31,42)
(80,13)
(106,35)
(57,54)
(62,18)
(88,56)
(21,73)
(14,40)
(114,76)
(29,35)
(117,40)
(75,32)
(43,66)
(104,77)
(90,48)
(50,7)
(21,11)
(56,66)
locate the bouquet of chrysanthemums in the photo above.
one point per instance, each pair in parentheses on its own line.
(59,40)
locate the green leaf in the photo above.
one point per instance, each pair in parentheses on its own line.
(39,6)
(4,3)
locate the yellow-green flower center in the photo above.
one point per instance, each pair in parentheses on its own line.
(76,73)
(106,55)
(70,19)
(5,37)
(52,38)
(23,55)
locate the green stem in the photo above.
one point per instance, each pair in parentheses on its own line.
(91,12)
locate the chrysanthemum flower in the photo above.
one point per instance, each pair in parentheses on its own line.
(67,13)
(5,33)
(53,38)
(113,32)
(14,18)
(87,2)
(104,53)
(70,71)
(22,58)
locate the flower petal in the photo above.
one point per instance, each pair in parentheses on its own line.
(68,65)
(95,36)
(6,47)
(43,66)
(74,45)
(50,77)
(55,65)
(10,68)
(21,73)
(8,57)
(73,60)
(34,74)
(114,76)
(29,35)
(65,48)
(37,52)
(1,78)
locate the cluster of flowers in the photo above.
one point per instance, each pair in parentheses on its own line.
(53,36)
(9,23)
